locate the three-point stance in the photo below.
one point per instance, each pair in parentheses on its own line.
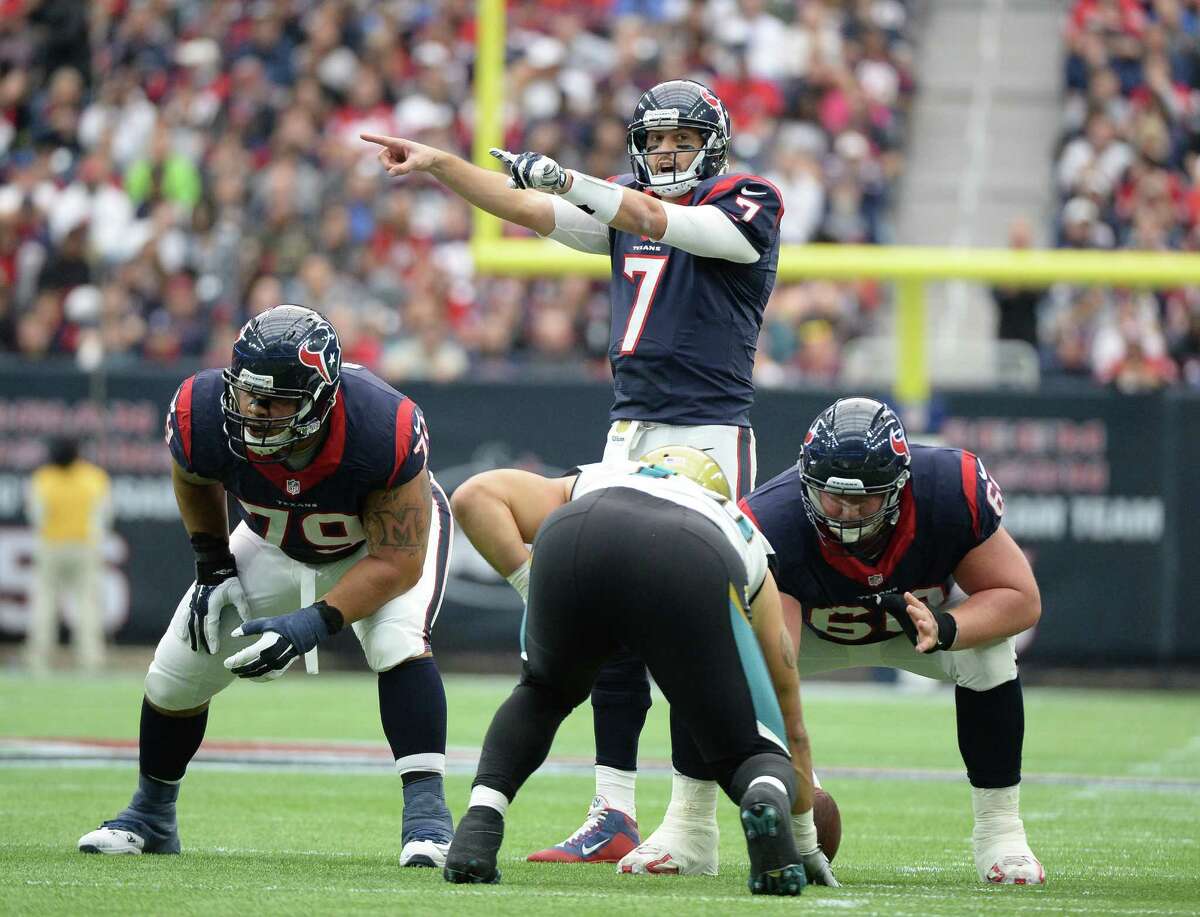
(871,534)
(655,557)
(341,524)
(694,252)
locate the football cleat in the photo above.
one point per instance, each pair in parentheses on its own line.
(421,852)
(127,836)
(605,836)
(775,866)
(472,854)
(679,847)
(1008,861)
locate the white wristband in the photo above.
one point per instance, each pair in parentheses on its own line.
(519,580)
(602,198)
(804,832)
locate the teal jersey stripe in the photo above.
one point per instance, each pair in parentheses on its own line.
(762,691)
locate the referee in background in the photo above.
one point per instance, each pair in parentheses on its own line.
(70,511)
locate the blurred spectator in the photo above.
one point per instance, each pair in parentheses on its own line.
(1127,175)
(199,162)
(69,509)
(1017,306)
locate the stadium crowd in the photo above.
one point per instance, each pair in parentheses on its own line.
(170,167)
(1127,176)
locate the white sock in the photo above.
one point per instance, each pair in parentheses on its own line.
(616,789)
(486,796)
(692,799)
(997,811)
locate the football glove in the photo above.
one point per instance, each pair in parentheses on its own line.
(285,637)
(533,171)
(197,619)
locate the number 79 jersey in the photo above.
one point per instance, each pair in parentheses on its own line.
(949,506)
(377,440)
(685,328)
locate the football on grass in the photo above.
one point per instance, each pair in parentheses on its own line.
(829,822)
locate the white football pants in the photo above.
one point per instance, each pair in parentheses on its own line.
(180,679)
(732,448)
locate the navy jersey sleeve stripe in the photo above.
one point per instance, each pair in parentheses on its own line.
(969,479)
(179,423)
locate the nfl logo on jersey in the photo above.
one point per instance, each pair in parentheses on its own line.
(293,486)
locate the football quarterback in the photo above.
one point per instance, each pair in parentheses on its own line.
(693,250)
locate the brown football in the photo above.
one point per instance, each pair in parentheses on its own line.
(829,822)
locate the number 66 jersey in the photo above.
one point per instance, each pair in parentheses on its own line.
(377,439)
(949,506)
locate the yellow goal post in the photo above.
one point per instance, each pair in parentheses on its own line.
(909,267)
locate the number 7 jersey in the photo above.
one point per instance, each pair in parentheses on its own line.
(685,328)
(377,440)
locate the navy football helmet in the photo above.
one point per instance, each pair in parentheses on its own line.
(679,103)
(856,446)
(287,352)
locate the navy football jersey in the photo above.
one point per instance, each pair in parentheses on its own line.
(377,439)
(685,328)
(950,506)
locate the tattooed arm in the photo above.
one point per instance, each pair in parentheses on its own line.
(397,525)
(781,663)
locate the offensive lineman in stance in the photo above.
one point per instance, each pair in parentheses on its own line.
(871,534)
(652,556)
(341,520)
(694,253)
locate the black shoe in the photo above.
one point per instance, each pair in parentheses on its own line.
(472,856)
(775,866)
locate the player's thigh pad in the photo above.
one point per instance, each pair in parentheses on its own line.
(981,668)
(818,655)
(400,629)
(179,678)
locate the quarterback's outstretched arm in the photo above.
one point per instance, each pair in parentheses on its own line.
(481,188)
(396,522)
(703,231)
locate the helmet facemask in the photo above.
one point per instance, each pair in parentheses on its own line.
(673,182)
(862,536)
(271,439)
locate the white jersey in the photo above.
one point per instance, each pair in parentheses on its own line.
(656,481)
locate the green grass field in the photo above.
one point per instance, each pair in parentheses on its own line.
(1111,804)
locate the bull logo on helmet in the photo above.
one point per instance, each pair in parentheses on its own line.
(899,442)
